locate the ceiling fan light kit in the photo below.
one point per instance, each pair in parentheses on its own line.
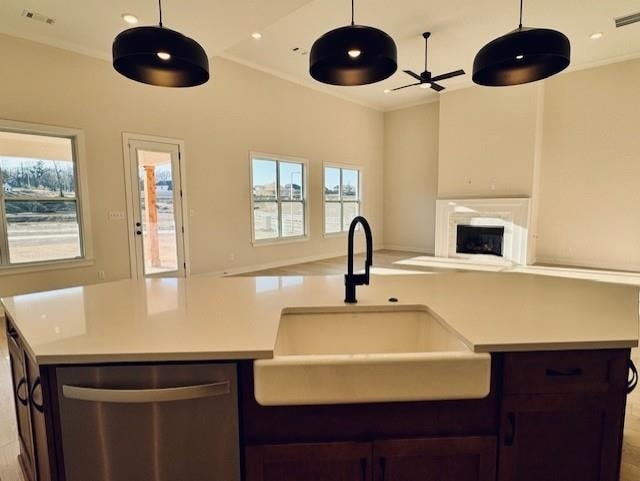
(353,55)
(522,56)
(160,56)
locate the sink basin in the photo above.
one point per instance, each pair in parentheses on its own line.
(357,355)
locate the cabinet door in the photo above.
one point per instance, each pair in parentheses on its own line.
(21,400)
(38,426)
(561,438)
(436,459)
(309,462)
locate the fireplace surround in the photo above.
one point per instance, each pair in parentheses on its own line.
(487,230)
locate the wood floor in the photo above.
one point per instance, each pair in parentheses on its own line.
(385,262)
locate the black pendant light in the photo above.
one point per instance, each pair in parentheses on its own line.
(353,55)
(160,56)
(521,56)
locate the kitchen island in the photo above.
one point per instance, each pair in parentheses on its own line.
(559,351)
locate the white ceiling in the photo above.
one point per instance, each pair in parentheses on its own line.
(459,29)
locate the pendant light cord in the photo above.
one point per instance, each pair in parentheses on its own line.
(352,12)
(520,26)
(160,10)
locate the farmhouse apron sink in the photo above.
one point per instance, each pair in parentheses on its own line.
(379,354)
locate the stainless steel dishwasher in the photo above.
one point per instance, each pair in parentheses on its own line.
(171,422)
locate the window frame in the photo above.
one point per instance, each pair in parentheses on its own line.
(277,158)
(341,166)
(81,199)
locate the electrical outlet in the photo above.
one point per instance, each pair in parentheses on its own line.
(115,215)
(101,275)
(232,257)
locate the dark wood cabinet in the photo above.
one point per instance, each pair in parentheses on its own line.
(561,438)
(432,459)
(21,402)
(38,422)
(437,459)
(309,462)
(562,416)
(29,399)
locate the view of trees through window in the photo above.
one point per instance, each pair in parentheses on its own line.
(278,198)
(40,215)
(341,198)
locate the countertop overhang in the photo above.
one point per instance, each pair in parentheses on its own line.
(213,318)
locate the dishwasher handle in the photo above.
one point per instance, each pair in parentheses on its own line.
(129,396)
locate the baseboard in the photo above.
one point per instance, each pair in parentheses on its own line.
(418,250)
(234,271)
(586,264)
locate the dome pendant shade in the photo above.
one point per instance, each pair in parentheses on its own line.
(353,55)
(160,56)
(522,56)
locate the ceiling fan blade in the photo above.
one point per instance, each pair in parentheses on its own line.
(445,76)
(437,87)
(413,74)
(405,86)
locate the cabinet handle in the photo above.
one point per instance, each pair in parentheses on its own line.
(23,400)
(510,436)
(383,469)
(576,371)
(32,397)
(632,381)
(363,467)
(182,393)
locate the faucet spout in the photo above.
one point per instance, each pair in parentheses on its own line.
(352,280)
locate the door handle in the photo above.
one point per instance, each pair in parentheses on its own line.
(383,469)
(632,381)
(510,436)
(39,407)
(21,384)
(129,396)
(363,467)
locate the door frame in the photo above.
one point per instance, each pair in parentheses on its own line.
(127,137)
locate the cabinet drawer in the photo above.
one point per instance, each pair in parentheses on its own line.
(565,371)
(12,335)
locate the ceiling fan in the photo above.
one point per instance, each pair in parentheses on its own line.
(425,80)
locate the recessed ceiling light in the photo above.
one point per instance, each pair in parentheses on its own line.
(164,55)
(129,18)
(425,85)
(386,91)
(596,35)
(354,53)
(519,57)
(256,35)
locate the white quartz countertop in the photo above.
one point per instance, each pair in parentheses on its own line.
(212,318)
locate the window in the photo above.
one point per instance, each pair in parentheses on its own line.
(40,218)
(341,198)
(278,197)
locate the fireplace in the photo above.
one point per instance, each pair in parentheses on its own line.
(472,239)
(492,230)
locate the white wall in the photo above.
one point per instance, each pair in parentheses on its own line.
(589,211)
(239,110)
(487,141)
(411,178)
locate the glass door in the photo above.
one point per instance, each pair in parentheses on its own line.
(157,209)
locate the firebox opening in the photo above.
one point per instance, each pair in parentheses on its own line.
(472,239)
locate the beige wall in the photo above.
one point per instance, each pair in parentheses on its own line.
(487,141)
(239,110)
(589,212)
(411,177)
